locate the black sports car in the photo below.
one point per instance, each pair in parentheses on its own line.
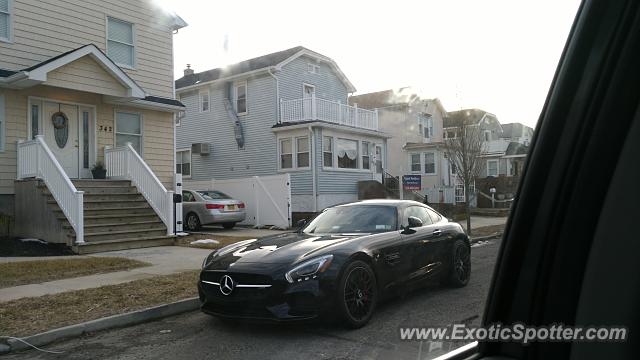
(341,263)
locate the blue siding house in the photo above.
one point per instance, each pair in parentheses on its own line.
(285,112)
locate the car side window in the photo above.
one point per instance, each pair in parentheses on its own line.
(187,197)
(434,216)
(419,212)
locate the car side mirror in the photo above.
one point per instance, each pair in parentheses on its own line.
(414,222)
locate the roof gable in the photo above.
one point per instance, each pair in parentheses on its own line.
(273,61)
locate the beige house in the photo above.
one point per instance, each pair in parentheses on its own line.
(86,82)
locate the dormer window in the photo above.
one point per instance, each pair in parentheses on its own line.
(313,68)
(5,20)
(120,46)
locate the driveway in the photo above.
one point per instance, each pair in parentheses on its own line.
(243,231)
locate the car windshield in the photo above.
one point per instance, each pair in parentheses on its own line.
(214,195)
(354,219)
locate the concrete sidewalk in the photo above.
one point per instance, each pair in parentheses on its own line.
(482,221)
(165,260)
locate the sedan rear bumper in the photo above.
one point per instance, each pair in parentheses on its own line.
(223,217)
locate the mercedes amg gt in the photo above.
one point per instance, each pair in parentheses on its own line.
(341,263)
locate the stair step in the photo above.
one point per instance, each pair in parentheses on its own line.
(100,183)
(101,190)
(120,211)
(123,234)
(123,244)
(118,226)
(114,219)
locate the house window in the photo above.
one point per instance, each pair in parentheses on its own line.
(183,162)
(327,151)
(5,20)
(487,135)
(453,168)
(240,99)
(129,129)
(420,129)
(365,155)
(120,46)
(313,68)
(286,154)
(2,121)
(428,127)
(429,163)
(35,120)
(492,167)
(415,162)
(302,152)
(347,154)
(204,101)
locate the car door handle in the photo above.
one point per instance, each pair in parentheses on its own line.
(437,232)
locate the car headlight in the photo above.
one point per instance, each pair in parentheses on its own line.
(207,259)
(309,269)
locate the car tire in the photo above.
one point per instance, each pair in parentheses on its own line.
(357,294)
(229,226)
(460,272)
(193,222)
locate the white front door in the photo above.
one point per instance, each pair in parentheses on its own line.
(378,169)
(308,95)
(61,135)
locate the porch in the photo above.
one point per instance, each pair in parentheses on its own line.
(313,108)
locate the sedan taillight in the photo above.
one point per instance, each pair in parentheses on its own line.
(241,205)
(215,206)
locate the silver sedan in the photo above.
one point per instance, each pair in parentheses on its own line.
(204,207)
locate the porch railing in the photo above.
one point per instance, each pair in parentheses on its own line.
(327,110)
(124,162)
(35,160)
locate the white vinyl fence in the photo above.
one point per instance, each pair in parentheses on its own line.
(267,198)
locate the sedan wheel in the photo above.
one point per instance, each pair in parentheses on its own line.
(461,267)
(193,223)
(357,294)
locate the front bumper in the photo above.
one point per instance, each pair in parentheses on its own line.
(279,302)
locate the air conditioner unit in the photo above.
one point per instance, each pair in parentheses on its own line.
(201,148)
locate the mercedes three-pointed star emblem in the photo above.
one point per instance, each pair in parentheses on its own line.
(226,285)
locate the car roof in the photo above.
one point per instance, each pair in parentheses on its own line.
(387,202)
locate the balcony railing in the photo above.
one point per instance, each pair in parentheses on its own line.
(326,110)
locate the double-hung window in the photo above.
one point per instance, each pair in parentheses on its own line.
(428,127)
(5,20)
(492,167)
(429,163)
(302,152)
(365,155)
(183,162)
(2,123)
(415,162)
(120,42)
(286,154)
(129,129)
(240,98)
(204,101)
(347,154)
(327,151)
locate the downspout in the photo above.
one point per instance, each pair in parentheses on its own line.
(314,190)
(277,96)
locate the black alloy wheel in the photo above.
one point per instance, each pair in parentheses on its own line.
(357,294)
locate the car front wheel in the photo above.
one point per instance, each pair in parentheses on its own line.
(357,294)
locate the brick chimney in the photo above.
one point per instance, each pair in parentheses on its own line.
(188,71)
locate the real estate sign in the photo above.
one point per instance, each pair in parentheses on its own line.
(411,182)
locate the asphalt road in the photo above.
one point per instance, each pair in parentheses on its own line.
(198,336)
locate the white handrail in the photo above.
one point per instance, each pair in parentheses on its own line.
(124,162)
(36,160)
(314,108)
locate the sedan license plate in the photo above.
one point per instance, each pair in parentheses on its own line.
(231,208)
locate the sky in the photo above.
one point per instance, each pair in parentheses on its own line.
(496,55)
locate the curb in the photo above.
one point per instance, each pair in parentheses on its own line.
(114,321)
(474,240)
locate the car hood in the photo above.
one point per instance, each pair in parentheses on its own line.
(285,248)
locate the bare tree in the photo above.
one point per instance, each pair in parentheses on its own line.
(463,147)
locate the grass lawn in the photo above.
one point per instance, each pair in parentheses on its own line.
(29,316)
(488,230)
(39,271)
(222,239)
